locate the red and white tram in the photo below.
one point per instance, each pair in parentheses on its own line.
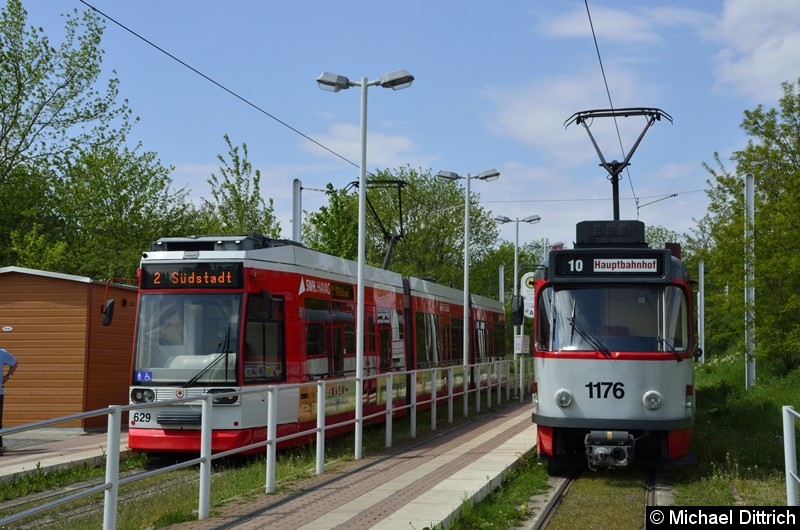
(221,314)
(613,351)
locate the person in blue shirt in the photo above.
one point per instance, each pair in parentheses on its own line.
(6,359)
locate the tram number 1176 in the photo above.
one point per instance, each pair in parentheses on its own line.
(602,389)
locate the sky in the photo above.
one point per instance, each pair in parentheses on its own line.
(495,83)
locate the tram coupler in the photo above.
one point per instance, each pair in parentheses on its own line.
(607,449)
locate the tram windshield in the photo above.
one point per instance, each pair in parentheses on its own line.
(613,318)
(187,338)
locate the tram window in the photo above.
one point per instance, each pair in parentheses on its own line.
(499,338)
(427,342)
(445,350)
(170,333)
(265,354)
(481,341)
(457,339)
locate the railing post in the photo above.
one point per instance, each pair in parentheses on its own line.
(508,379)
(790,455)
(489,374)
(449,394)
(413,391)
(204,505)
(498,367)
(389,407)
(320,427)
(272,426)
(112,468)
(477,373)
(434,385)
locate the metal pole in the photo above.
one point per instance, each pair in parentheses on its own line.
(701,311)
(517,338)
(466,297)
(749,292)
(111,495)
(790,455)
(362,236)
(297,210)
(206,448)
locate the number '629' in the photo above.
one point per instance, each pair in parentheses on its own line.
(143,417)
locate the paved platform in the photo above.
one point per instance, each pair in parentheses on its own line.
(49,448)
(419,487)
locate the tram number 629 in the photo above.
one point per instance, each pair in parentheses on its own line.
(602,389)
(143,417)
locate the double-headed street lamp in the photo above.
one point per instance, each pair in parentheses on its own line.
(532,219)
(489,175)
(396,80)
(502,219)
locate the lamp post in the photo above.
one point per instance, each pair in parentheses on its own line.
(396,80)
(489,175)
(502,219)
(532,219)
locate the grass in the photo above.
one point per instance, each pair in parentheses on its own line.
(240,479)
(738,442)
(509,504)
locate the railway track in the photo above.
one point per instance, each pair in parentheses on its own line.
(572,498)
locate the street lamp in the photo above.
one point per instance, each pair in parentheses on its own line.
(532,219)
(489,175)
(396,80)
(502,219)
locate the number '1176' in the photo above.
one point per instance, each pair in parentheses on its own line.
(602,390)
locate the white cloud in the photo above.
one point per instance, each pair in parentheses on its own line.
(760,47)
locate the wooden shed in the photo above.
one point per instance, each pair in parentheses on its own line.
(68,361)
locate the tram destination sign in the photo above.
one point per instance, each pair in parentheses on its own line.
(595,264)
(192,276)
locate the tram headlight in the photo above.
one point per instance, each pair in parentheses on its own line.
(223,400)
(142,395)
(652,400)
(563,398)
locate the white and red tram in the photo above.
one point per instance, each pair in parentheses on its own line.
(613,351)
(222,314)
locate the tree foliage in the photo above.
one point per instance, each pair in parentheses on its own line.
(49,103)
(772,155)
(238,206)
(427,212)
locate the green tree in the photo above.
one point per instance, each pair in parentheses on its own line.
(238,206)
(658,236)
(112,203)
(334,228)
(49,103)
(432,242)
(772,155)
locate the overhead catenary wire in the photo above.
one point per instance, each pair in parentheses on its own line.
(608,94)
(331,151)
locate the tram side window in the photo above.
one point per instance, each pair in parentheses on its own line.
(677,318)
(481,340)
(499,338)
(265,353)
(427,342)
(457,338)
(318,324)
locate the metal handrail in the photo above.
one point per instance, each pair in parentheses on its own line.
(113,481)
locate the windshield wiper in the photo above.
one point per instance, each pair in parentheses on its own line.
(588,337)
(224,349)
(207,368)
